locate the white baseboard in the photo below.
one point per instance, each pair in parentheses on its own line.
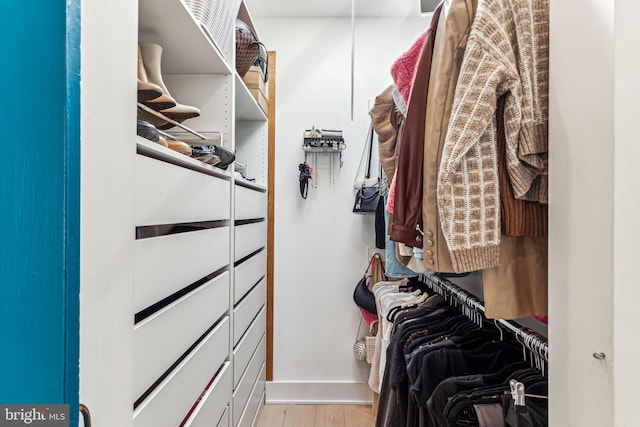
(318,393)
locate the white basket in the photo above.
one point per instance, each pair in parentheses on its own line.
(218,19)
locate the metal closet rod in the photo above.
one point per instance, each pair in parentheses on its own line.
(531,339)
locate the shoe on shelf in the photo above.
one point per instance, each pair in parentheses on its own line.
(180,147)
(163,141)
(146,90)
(161,123)
(147,130)
(226,156)
(151,58)
(181,112)
(154,120)
(205,154)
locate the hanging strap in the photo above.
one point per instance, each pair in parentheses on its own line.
(368,174)
(368,151)
(304,176)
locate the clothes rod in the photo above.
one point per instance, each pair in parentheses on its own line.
(531,339)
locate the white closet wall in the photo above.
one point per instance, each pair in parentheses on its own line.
(593,251)
(107,209)
(626,177)
(320,245)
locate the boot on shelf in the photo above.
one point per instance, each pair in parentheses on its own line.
(146,90)
(156,121)
(166,104)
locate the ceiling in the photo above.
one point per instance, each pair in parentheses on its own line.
(333,8)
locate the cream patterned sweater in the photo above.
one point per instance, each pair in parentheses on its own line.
(507,54)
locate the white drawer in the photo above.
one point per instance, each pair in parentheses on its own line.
(159,340)
(250,238)
(169,194)
(172,400)
(250,204)
(166,264)
(247,345)
(224,421)
(248,273)
(247,310)
(256,400)
(248,380)
(213,406)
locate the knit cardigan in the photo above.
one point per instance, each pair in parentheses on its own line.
(507,54)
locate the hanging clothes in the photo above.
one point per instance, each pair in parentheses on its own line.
(386,119)
(507,53)
(517,287)
(518,217)
(403,69)
(408,177)
(454,29)
(444,370)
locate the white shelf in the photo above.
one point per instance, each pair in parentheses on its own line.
(250,184)
(246,106)
(186,47)
(157,151)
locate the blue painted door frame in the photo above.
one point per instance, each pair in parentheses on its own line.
(40,202)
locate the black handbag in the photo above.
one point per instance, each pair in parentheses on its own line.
(367,197)
(364,298)
(362,295)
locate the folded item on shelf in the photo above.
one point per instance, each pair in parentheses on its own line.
(328,133)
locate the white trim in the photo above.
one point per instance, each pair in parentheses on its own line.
(318,392)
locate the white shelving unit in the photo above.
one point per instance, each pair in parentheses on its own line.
(200,265)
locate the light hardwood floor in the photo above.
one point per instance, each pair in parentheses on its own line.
(316,416)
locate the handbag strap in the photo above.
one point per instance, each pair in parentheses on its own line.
(380,273)
(359,328)
(368,144)
(368,174)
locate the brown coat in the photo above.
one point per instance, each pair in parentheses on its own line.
(408,191)
(453,30)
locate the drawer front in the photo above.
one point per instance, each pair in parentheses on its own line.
(169,194)
(159,340)
(247,345)
(250,204)
(214,405)
(247,310)
(172,400)
(250,238)
(166,264)
(255,402)
(248,380)
(248,273)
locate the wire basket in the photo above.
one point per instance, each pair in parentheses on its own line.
(217,18)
